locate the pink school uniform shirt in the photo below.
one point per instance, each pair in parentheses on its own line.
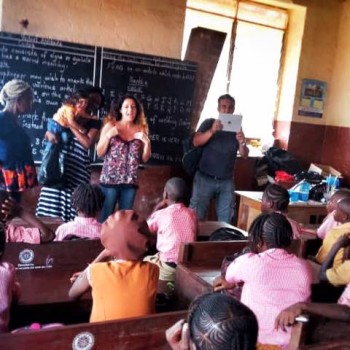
(7,290)
(173,225)
(22,234)
(273,280)
(327,224)
(81,227)
(344,299)
(295,228)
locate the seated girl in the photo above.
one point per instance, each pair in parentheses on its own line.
(125,286)
(272,278)
(87,201)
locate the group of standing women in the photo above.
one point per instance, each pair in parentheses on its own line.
(123,142)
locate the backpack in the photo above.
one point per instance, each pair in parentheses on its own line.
(191,156)
(280,159)
(227,234)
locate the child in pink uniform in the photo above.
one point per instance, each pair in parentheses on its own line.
(9,288)
(272,278)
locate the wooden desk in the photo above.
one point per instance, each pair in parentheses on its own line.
(250,207)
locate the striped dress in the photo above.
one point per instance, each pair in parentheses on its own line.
(56,202)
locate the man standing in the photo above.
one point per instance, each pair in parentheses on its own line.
(214,177)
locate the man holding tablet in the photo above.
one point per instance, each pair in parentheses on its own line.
(214,177)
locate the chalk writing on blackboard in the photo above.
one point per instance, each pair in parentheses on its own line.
(56,68)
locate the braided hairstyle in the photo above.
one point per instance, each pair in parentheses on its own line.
(88,199)
(219,322)
(273,229)
(278,195)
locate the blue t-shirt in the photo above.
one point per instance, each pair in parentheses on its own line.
(219,153)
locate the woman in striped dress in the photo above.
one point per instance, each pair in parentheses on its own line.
(56,201)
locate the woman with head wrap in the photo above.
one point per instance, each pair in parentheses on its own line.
(17,169)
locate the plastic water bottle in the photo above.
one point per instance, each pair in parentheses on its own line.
(304,191)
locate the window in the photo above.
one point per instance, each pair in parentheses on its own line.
(256,59)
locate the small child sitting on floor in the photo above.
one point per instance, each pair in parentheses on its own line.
(9,288)
(275,199)
(37,233)
(87,200)
(173,223)
(125,286)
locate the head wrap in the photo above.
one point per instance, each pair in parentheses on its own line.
(125,235)
(13,89)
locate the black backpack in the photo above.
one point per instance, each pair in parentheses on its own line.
(280,159)
(227,234)
(191,156)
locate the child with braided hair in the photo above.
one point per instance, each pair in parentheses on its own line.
(217,322)
(87,200)
(275,199)
(273,278)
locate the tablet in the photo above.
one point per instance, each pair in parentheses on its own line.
(230,122)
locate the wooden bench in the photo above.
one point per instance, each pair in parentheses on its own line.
(199,263)
(51,222)
(146,332)
(314,332)
(43,271)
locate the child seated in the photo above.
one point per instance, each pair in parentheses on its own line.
(9,288)
(329,222)
(275,199)
(173,223)
(272,279)
(67,116)
(87,200)
(125,286)
(215,321)
(38,232)
(341,215)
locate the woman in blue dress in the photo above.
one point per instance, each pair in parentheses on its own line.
(17,169)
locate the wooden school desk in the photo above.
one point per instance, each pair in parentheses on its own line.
(250,207)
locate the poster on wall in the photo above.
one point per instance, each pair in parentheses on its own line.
(312,98)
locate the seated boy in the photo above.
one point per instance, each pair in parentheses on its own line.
(329,222)
(125,286)
(87,200)
(173,223)
(342,215)
(275,199)
(38,232)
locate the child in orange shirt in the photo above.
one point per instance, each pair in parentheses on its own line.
(125,286)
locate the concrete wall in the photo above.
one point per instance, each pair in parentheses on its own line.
(144,26)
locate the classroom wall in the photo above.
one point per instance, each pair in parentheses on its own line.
(147,26)
(325,55)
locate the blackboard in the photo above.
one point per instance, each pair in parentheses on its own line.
(56,68)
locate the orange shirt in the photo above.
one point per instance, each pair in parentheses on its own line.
(64,114)
(122,289)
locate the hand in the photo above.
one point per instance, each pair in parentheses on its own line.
(220,284)
(113,131)
(10,209)
(51,137)
(75,276)
(240,137)
(141,136)
(286,317)
(178,336)
(217,126)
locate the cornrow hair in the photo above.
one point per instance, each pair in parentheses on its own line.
(278,195)
(88,199)
(14,89)
(220,322)
(256,232)
(277,231)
